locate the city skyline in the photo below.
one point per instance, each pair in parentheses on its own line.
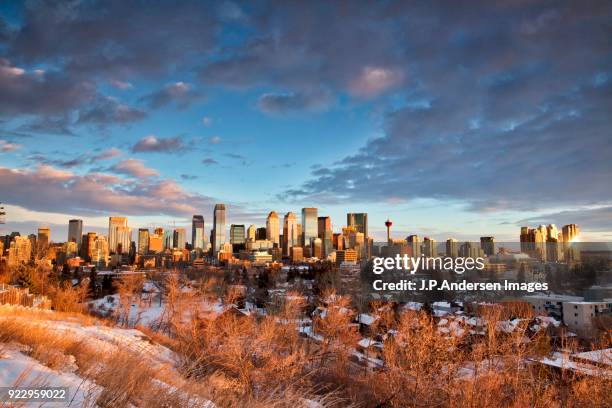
(447,122)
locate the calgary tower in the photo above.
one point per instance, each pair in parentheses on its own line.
(388,224)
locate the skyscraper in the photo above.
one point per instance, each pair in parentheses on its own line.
(219,236)
(250,236)
(359,221)
(570,232)
(180,236)
(197,232)
(309,225)
(415,244)
(290,232)
(452,248)
(261,233)
(75,232)
(143,241)
(114,241)
(325,233)
(43,241)
(487,244)
(237,234)
(273,228)
(169,239)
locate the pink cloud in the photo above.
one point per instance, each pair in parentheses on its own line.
(134,167)
(374,80)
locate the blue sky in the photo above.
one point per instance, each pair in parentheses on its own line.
(451,120)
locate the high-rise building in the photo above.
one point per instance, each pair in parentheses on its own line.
(75,232)
(488,245)
(89,245)
(43,241)
(179,238)
(19,251)
(251,235)
(325,233)
(429,247)
(156,241)
(261,233)
(197,232)
(237,234)
(359,221)
(219,237)
(570,232)
(169,240)
(309,225)
(118,238)
(143,241)
(415,244)
(290,232)
(124,240)
(273,228)
(452,248)
(100,251)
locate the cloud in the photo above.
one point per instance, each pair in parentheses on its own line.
(214,139)
(490,116)
(54,125)
(373,81)
(23,92)
(180,93)
(7,147)
(108,110)
(122,85)
(209,162)
(133,167)
(152,143)
(235,156)
(189,177)
(50,190)
(207,121)
(106,154)
(112,39)
(285,103)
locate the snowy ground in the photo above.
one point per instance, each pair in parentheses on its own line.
(19,370)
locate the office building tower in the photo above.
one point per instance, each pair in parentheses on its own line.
(19,251)
(143,241)
(309,225)
(251,235)
(452,248)
(89,245)
(179,238)
(124,240)
(75,232)
(156,241)
(290,233)
(570,232)
(487,244)
(219,219)
(261,233)
(325,234)
(359,221)
(169,240)
(197,232)
(414,244)
(100,252)
(237,234)
(43,241)
(273,228)
(114,241)
(317,248)
(429,247)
